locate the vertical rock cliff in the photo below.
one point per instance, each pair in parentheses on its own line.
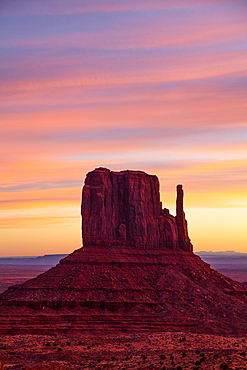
(134,273)
(183,238)
(124,208)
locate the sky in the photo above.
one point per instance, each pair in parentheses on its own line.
(152,85)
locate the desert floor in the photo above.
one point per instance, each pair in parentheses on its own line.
(124,351)
(17,274)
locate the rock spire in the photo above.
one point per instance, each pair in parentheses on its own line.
(124,208)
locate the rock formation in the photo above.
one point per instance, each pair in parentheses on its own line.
(136,271)
(124,208)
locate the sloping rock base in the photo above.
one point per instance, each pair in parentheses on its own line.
(119,289)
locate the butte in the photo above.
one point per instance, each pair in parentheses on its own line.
(135,272)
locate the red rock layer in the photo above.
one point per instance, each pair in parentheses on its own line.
(126,289)
(124,208)
(133,274)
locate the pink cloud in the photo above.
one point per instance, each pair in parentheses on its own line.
(191,30)
(51,7)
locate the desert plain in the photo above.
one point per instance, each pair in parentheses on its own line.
(167,351)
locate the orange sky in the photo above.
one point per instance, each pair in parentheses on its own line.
(157,86)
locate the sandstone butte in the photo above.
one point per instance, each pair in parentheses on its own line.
(136,271)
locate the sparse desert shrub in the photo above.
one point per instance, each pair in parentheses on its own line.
(183,339)
(162,356)
(80,343)
(224,366)
(68,343)
(127,358)
(179,368)
(128,345)
(143,357)
(197,363)
(88,347)
(99,360)
(48,344)
(163,368)
(113,358)
(243,353)
(171,357)
(59,349)
(197,352)
(183,354)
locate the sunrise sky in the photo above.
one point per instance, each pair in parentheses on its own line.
(152,85)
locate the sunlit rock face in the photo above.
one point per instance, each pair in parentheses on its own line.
(135,272)
(124,208)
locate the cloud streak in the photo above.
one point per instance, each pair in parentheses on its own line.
(151,85)
(29,8)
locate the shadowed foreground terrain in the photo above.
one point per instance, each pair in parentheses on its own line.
(134,351)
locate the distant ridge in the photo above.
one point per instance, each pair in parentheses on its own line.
(47,259)
(227,258)
(53,259)
(221,254)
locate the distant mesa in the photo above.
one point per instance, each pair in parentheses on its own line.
(124,208)
(48,259)
(135,272)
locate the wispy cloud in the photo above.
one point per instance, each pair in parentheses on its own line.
(60,7)
(152,85)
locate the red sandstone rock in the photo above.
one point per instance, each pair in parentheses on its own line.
(183,238)
(126,289)
(124,208)
(134,272)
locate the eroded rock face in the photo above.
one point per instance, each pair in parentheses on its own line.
(144,280)
(124,208)
(121,289)
(183,237)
